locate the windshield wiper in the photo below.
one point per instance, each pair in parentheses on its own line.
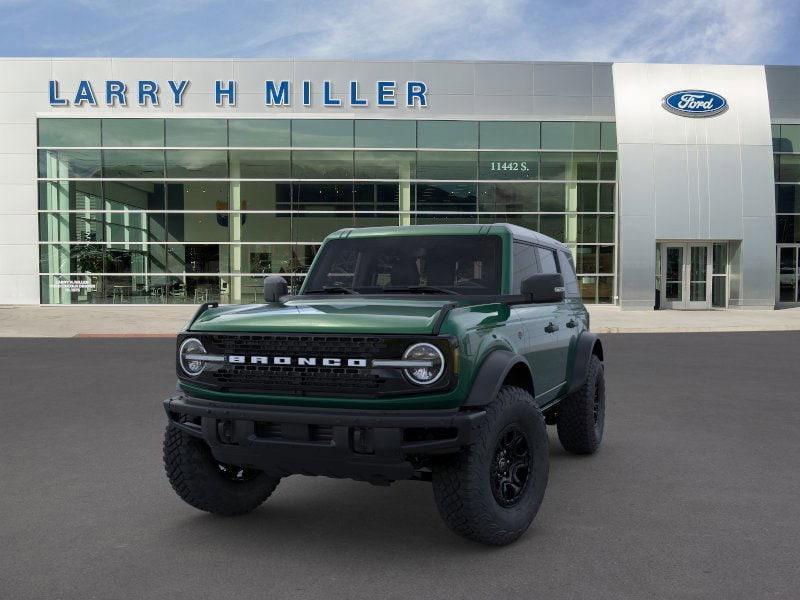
(423,289)
(333,289)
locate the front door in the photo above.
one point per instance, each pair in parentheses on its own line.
(686,275)
(788,274)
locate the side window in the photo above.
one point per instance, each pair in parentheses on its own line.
(568,270)
(526,264)
(547,259)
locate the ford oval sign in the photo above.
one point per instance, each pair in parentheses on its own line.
(695,103)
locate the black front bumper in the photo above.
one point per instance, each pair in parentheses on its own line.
(376,446)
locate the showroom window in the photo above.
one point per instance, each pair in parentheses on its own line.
(186,210)
(786,148)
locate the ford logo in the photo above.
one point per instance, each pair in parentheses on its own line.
(695,103)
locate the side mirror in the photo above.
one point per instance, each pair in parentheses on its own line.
(543,288)
(274,287)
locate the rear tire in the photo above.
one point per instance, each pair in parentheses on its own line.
(581,415)
(206,484)
(491,491)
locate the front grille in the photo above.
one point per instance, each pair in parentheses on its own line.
(294,380)
(302,345)
(309,380)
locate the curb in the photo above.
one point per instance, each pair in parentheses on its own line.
(124,335)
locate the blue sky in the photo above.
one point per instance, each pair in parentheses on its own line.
(713,31)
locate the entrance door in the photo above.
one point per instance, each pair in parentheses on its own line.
(686,275)
(787,280)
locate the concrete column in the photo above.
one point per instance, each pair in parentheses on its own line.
(235,233)
(405,193)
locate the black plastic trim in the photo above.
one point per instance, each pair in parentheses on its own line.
(203,308)
(392,455)
(443,312)
(491,375)
(583,352)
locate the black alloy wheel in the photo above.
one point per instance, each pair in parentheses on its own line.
(510,466)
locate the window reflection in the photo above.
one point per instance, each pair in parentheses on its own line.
(133,132)
(128,164)
(64,133)
(447,134)
(67,164)
(321,164)
(259,133)
(197,132)
(197,164)
(383,133)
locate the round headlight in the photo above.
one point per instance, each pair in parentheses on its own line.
(187,356)
(428,374)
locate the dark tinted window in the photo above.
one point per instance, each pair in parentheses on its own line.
(526,263)
(463,264)
(547,260)
(570,280)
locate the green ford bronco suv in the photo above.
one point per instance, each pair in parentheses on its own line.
(435,352)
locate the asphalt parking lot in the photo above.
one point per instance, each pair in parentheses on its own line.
(694,494)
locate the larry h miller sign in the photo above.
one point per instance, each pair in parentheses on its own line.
(147,92)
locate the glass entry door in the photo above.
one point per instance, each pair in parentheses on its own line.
(788,274)
(686,275)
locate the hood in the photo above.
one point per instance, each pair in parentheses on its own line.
(345,315)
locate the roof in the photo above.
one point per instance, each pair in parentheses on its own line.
(517,232)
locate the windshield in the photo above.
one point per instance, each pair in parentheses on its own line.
(414,264)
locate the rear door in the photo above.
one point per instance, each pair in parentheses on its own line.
(576,312)
(561,318)
(539,333)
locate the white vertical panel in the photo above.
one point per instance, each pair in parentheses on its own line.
(707,197)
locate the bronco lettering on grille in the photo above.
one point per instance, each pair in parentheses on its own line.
(302,361)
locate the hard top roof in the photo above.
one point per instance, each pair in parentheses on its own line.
(517,232)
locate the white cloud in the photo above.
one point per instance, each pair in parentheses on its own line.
(735,31)
(715,31)
(408,28)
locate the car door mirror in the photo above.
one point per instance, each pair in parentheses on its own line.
(274,287)
(543,288)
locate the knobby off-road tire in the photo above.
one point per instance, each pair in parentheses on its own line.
(472,489)
(581,415)
(208,485)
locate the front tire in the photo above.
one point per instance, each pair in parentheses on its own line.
(491,491)
(581,415)
(206,484)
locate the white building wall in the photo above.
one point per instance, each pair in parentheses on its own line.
(695,178)
(21,96)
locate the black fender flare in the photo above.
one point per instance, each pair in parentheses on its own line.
(491,375)
(588,344)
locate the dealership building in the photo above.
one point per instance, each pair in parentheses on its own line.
(159,181)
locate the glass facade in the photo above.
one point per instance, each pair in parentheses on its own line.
(191,210)
(786,148)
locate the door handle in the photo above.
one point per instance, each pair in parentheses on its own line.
(551,327)
(571,323)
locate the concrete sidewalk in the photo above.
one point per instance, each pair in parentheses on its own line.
(163,321)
